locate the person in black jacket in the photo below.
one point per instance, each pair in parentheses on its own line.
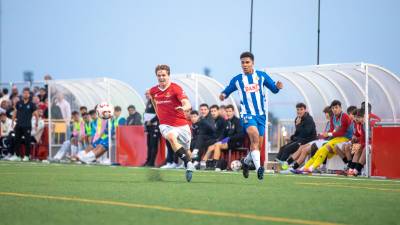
(24,110)
(220,123)
(305,132)
(194,127)
(206,134)
(153,133)
(234,135)
(134,117)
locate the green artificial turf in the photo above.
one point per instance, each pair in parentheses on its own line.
(82,194)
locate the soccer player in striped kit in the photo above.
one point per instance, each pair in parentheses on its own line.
(252,93)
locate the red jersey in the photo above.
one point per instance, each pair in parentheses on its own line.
(166,102)
(373,119)
(340,126)
(359,133)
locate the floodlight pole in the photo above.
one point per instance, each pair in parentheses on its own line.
(251,25)
(319,20)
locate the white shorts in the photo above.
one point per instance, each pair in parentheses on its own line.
(340,145)
(319,143)
(182,134)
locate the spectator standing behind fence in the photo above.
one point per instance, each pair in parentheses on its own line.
(65,107)
(42,94)
(5,96)
(134,117)
(5,137)
(117,120)
(10,107)
(24,110)
(14,92)
(37,131)
(5,105)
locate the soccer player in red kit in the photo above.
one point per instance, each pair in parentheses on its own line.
(170,103)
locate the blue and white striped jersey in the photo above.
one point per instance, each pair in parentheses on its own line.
(251,91)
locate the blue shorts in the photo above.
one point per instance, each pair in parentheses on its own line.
(103,142)
(256,121)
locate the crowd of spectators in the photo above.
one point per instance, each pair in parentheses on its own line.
(344,136)
(23,115)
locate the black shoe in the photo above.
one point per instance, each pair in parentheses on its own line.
(218,165)
(210,164)
(245,169)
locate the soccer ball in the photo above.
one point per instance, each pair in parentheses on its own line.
(236,165)
(105,110)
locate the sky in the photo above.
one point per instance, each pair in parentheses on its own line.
(126,39)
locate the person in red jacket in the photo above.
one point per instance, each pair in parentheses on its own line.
(358,148)
(372,117)
(340,131)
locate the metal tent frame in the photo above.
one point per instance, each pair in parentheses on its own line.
(89,92)
(350,83)
(202,89)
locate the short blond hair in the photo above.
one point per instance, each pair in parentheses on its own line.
(163,67)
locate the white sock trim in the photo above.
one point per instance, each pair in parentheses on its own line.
(255,155)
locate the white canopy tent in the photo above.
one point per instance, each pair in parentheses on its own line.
(351,84)
(89,93)
(202,89)
(317,86)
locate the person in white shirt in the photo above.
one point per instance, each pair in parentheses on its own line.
(37,131)
(6,96)
(64,106)
(5,137)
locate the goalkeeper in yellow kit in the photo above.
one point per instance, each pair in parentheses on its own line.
(341,130)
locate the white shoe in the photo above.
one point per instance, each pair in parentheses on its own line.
(190,166)
(217,170)
(105,162)
(202,165)
(25,159)
(285,171)
(166,166)
(173,166)
(15,158)
(170,166)
(7,157)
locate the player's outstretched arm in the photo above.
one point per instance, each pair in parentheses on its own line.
(185,105)
(271,85)
(228,90)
